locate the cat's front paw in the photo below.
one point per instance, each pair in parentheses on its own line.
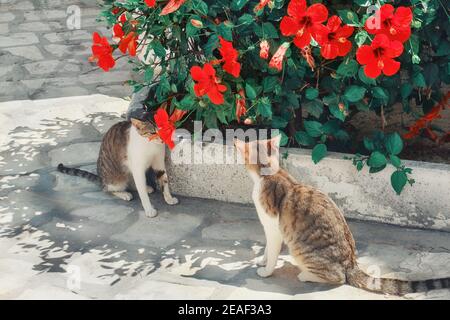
(151,213)
(262,272)
(172,201)
(261,261)
(150,189)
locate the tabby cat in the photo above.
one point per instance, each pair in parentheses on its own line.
(312,226)
(126,153)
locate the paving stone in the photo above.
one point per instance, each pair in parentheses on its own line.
(239,230)
(68,183)
(68,36)
(75,154)
(108,213)
(18,39)
(4,28)
(4,70)
(34,26)
(161,231)
(105,77)
(61,50)
(56,91)
(16,5)
(6,16)
(28,52)
(45,15)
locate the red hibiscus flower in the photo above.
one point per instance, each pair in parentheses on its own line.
(333,38)
(264,49)
(241,107)
(395,23)
(229,56)
(129,43)
(378,57)
(167,126)
(302,21)
(150,3)
(172,6)
(207,83)
(277,60)
(102,52)
(126,42)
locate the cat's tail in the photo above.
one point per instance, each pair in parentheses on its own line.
(358,278)
(79,173)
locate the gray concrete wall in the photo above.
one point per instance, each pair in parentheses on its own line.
(360,195)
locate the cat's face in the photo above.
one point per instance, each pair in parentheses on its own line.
(260,156)
(145,128)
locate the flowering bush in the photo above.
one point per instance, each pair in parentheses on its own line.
(304,68)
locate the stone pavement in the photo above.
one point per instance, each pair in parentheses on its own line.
(62,238)
(40,57)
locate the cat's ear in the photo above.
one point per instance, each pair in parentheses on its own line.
(274,143)
(240,145)
(137,123)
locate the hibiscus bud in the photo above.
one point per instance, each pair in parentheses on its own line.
(264,52)
(248,121)
(415,59)
(240,105)
(277,60)
(197,23)
(115,10)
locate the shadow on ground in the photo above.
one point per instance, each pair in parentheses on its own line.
(64,230)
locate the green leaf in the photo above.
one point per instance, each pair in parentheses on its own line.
(361,37)
(398,181)
(279,122)
(314,108)
(304,139)
(348,69)
(313,128)
(331,127)
(245,19)
(354,93)
(250,92)
(265,107)
(406,90)
(377,169)
(158,48)
(200,6)
(377,159)
(269,83)
(349,17)
(269,31)
(284,139)
(187,103)
(237,5)
(419,80)
(337,112)
(381,94)
(225,31)
(148,75)
(368,144)
(311,93)
(211,44)
(393,143)
(396,162)
(319,152)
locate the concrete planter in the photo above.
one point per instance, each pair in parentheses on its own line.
(360,195)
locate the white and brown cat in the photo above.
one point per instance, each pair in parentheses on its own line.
(312,226)
(126,153)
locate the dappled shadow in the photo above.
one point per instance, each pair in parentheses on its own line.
(68,222)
